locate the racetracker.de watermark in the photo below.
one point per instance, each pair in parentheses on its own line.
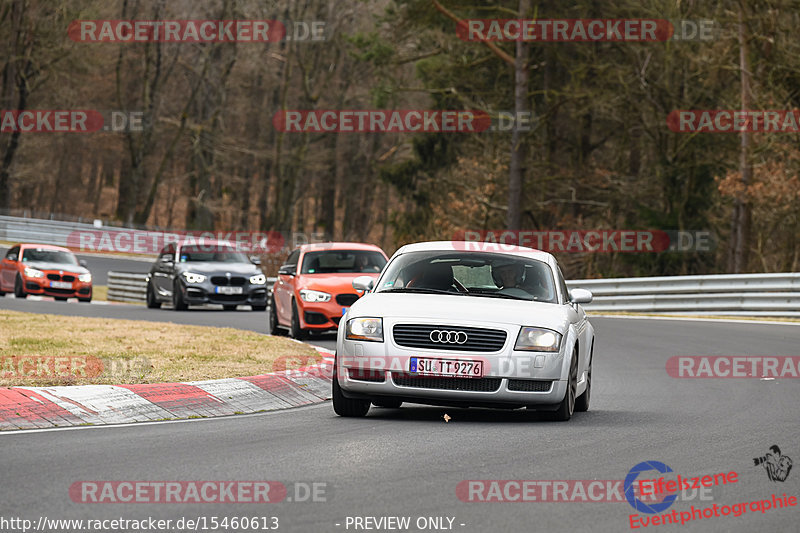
(583,241)
(69,121)
(734,366)
(176,31)
(381,121)
(734,121)
(69,366)
(586,30)
(205,492)
(151,242)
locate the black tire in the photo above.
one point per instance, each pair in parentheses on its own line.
(347,407)
(152,301)
(296,332)
(177,298)
(567,405)
(229,307)
(259,307)
(274,327)
(388,403)
(19,290)
(60,298)
(582,402)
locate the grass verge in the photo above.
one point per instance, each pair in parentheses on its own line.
(42,350)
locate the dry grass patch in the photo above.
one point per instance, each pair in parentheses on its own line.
(39,350)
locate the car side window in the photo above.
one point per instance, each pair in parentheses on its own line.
(292,259)
(13,253)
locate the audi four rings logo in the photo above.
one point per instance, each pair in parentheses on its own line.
(448,337)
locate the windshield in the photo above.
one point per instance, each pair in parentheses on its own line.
(470,274)
(343,262)
(48,256)
(213,254)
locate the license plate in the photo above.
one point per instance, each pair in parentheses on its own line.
(229,290)
(60,284)
(445,367)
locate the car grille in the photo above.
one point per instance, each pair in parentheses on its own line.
(234,281)
(346,299)
(447,383)
(529,385)
(478,339)
(65,277)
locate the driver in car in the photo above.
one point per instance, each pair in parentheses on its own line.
(508,275)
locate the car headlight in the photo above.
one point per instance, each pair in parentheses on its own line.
(365,329)
(33,273)
(85,278)
(314,296)
(258,279)
(538,340)
(191,277)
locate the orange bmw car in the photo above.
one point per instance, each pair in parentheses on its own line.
(44,270)
(315,285)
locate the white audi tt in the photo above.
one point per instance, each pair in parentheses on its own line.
(469,325)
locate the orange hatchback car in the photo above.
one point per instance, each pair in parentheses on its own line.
(44,270)
(315,285)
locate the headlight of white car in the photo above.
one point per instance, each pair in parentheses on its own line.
(314,296)
(85,278)
(191,277)
(33,273)
(258,279)
(365,329)
(538,340)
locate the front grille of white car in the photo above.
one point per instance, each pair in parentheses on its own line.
(446,383)
(442,337)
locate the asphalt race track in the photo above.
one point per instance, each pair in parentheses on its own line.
(408,462)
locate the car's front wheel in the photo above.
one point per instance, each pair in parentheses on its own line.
(297,332)
(19,290)
(152,301)
(346,406)
(567,405)
(274,327)
(582,403)
(177,298)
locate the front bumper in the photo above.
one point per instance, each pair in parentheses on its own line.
(42,287)
(375,370)
(207,293)
(321,316)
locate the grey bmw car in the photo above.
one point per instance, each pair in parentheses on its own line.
(213,272)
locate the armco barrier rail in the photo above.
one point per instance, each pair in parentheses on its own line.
(772,295)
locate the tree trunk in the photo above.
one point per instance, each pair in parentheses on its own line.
(519,149)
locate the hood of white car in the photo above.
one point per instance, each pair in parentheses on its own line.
(447,309)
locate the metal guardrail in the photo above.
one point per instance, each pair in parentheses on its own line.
(132,286)
(776,295)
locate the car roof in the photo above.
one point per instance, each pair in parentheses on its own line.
(321,246)
(27,245)
(472,246)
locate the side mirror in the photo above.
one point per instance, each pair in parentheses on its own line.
(255,259)
(287,270)
(82,262)
(363,283)
(580,296)
(167,258)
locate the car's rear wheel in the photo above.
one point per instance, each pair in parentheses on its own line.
(582,402)
(567,405)
(19,290)
(346,406)
(274,327)
(229,307)
(177,298)
(297,332)
(387,403)
(152,301)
